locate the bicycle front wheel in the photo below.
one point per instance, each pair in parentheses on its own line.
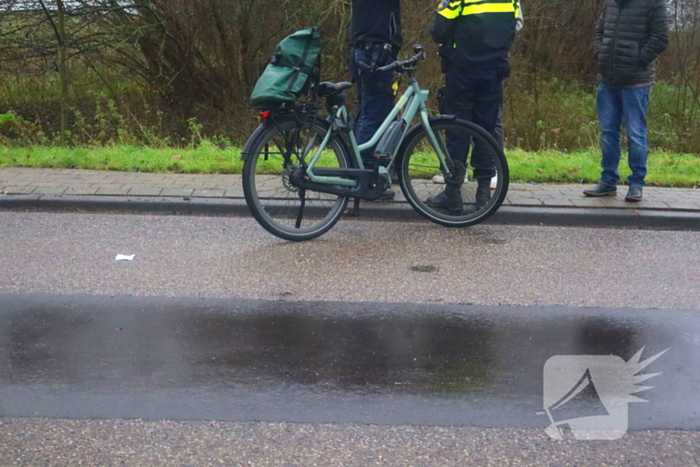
(281,208)
(424,174)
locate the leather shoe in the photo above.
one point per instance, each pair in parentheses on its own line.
(634,194)
(601,189)
(387,195)
(450,200)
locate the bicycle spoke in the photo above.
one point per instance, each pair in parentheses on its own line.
(424,175)
(282,208)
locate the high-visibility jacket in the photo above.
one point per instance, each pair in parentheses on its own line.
(474,33)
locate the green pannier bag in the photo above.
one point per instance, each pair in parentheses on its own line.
(287,75)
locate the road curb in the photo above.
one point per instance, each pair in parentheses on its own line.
(386,211)
(129,204)
(599,217)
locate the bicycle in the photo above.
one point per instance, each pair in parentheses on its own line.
(300,169)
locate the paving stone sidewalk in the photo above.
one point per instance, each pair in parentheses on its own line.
(21,181)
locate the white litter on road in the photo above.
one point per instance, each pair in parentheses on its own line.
(124,257)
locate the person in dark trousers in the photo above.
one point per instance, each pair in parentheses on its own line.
(475,40)
(498,132)
(376,41)
(630,35)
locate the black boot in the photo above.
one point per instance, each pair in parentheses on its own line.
(449,200)
(483,193)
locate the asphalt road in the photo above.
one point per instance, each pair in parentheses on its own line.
(379,344)
(216,257)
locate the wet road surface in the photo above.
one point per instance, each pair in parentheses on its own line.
(258,329)
(324,362)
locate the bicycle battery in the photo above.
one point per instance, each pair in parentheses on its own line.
(391,139)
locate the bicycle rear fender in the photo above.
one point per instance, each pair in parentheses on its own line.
(269,122)
(272,123)
(252,139)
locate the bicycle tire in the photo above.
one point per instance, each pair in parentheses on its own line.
(420,165)
(272,200)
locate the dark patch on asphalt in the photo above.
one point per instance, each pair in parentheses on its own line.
(426,268)
(325,362)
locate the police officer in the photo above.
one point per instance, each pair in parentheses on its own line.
(475,40)
(376,40)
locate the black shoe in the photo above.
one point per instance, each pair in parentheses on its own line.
(483,193)
(387,195)
(601,189)
(634,194)
(449,200)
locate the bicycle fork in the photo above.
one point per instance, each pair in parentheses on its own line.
(437,142)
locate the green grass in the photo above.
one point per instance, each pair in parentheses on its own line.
(205,159)
(665,169)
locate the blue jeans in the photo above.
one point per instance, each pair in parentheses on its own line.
(615,106)
(375,98)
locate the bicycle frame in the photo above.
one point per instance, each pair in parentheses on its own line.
(414,101)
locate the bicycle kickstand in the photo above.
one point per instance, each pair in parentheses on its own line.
(355,211)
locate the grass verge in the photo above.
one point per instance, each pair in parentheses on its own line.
(206,158)
(665,169)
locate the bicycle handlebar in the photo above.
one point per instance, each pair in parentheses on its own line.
(401,65)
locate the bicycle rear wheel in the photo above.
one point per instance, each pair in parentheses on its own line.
(272,155)
(423,174)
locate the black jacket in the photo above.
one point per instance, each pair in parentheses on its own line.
(475,34)
(630,34)
(376,21)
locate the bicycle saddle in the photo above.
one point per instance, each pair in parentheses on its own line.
(328,89)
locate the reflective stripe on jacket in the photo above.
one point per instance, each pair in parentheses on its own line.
(476,33)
